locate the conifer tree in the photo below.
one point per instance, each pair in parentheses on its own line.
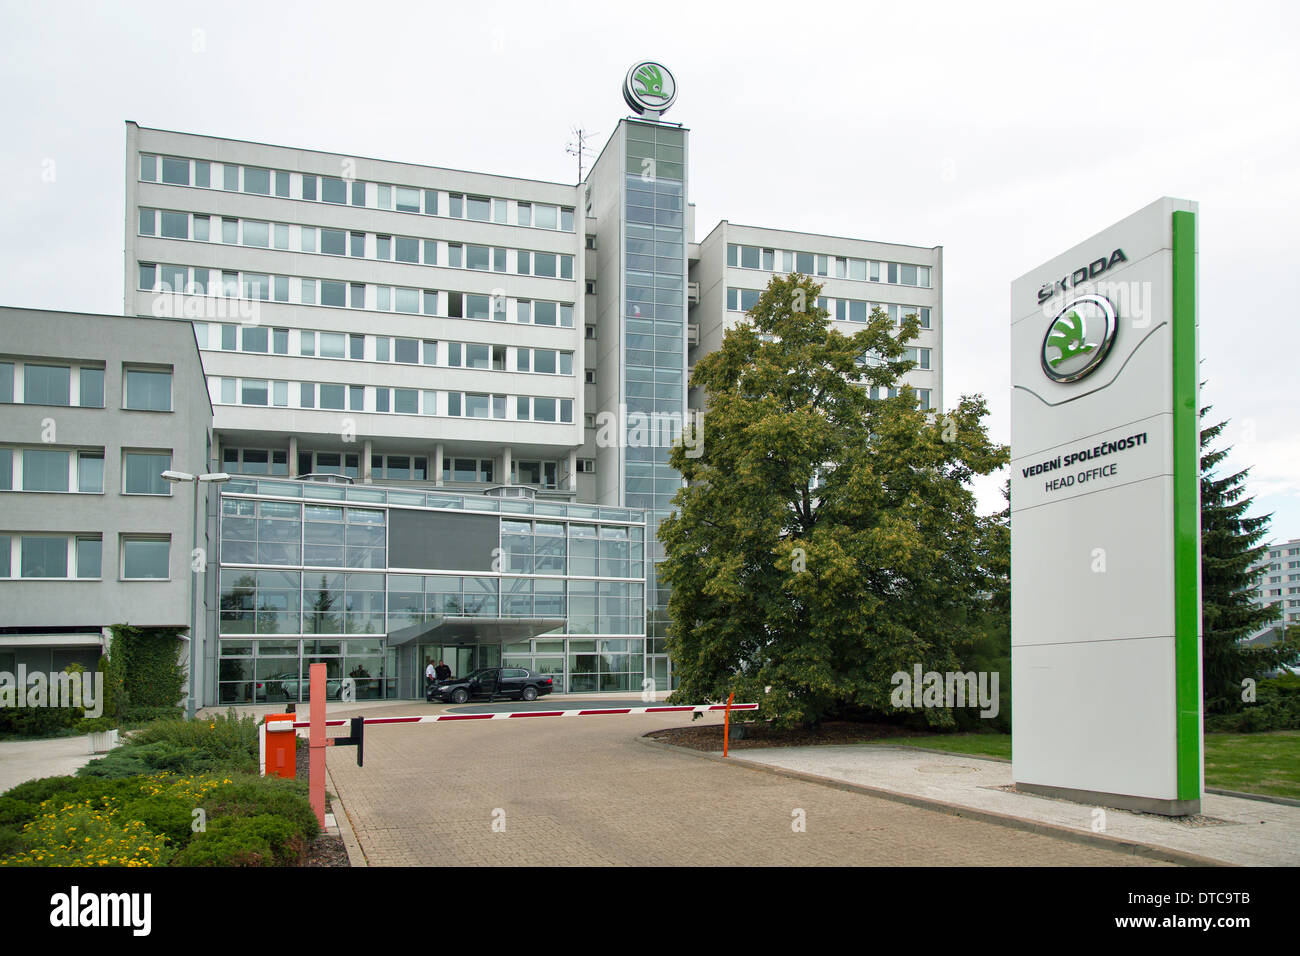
(1230,548)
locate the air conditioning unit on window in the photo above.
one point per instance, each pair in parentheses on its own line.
(693,293)
(692,333)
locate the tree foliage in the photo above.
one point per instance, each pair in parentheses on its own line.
(825,539)
(1230,548)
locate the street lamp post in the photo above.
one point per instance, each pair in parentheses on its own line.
(176,477)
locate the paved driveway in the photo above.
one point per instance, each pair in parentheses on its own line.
(588,791)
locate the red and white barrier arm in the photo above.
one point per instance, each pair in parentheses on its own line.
(522,714)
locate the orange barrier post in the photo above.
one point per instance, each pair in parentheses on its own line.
(726,723)
(280,746)
(316,765)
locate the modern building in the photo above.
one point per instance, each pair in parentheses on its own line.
(93,408)
(1278,576)
(444,345)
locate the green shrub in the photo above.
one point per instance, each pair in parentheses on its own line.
(258,840)
(257,796)
(36,792)
(11,841)
(96,725)
(229,739)
(227,849)
(16,812)
(1276,707)
(83,834)
(146,715)
(38,721)
(170,814)
(160,757)
(207,745)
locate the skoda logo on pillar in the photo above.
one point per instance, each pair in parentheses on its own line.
(1079,339)
(649,88)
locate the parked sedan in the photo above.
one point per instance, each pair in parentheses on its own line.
(286,686)
(517,682)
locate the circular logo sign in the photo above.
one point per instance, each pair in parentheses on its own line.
(1079,338)
(649,87)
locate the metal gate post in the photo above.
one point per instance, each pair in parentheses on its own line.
(316,739)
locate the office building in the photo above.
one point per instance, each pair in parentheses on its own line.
(401,337)
(93,409)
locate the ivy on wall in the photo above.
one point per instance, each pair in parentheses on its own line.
(142,668)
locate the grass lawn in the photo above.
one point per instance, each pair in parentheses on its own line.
(1266,763)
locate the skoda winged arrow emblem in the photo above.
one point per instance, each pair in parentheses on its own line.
(1079,338)
(649,88)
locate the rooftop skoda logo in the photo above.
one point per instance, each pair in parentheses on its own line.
(649,88)
(1079,338)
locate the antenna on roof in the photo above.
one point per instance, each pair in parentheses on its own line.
(578,146)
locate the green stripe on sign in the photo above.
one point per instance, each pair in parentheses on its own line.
(1187,509)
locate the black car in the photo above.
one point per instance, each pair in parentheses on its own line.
(516,682)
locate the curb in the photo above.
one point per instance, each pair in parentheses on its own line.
(1262,797)
(1239,794)
(1144,850)
(356,856)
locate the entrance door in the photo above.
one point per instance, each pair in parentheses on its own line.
(460,658)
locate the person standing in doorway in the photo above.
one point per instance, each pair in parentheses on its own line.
(430,674)
(442,671)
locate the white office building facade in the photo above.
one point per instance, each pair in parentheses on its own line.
(446,350)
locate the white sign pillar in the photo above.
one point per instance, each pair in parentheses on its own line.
(1105,519)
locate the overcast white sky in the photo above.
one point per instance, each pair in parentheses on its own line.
(1004,132)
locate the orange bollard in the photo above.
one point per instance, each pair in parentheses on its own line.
(281,747)
(726,723)
(316,740)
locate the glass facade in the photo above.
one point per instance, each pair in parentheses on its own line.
(654,355)
(304,577)
(654,293)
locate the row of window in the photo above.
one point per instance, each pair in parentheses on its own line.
(274,602)
(383,348)
(169,224)
(339,190)
(38,383)
(918,355)
(840,267)
(401,401)
(841,310)
(922,395)
(200,281)
(80,556)
(275,462)
(81,471)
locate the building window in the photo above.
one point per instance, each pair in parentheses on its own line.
(89,556)
(90,472)
(147,390)
(45,469)
(142,473)
(43,556)
(145,558)
(586,466)
(46,384)
(91,385)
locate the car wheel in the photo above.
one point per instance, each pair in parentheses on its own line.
(530,693)
(459,695)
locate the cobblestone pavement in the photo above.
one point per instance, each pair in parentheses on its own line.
(588,791)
